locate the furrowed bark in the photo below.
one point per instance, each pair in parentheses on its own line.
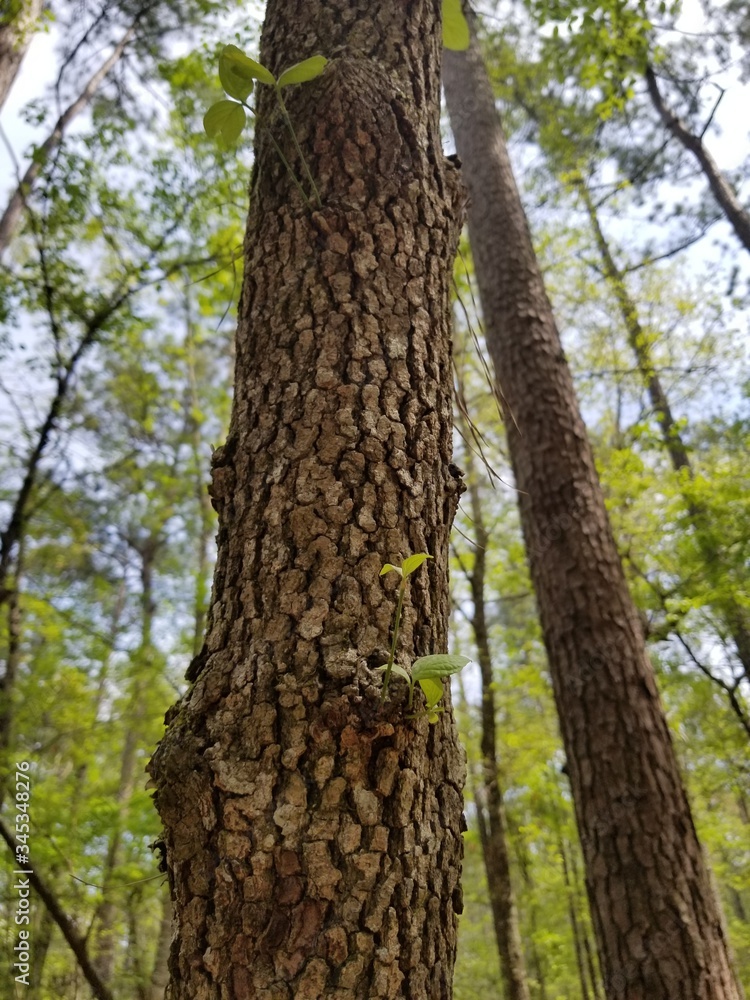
(659,929)
(312,835)
(735,214)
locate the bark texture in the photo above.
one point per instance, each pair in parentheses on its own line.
(312,835)
(657,921)
(17,28)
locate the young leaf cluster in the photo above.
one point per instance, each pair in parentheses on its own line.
(427,671)
(238,74)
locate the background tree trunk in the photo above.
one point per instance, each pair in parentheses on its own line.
(312,835)
(657,921)
(17,27)
(729,609)
(494,843)
(737,217)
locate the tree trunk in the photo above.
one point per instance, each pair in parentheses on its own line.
(11,217)
(495,845)
(574,925)
(42,940)
(730,610)
(17,27)
(160,973)
(69,930)
(658,925)
(105,918)
(312,834)
(591,963)
(737,217)
(12,661)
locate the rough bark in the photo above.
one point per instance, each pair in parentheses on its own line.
(312,835)
(495,843)
(658,926)
(735,214)
(11,217)
(17,28)
(729,610)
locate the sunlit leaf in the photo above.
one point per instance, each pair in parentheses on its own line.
(412,563)
(455,26)
(224,120)
(303,71)
(249,67)
(399,671)
(236,78)
(388,567)
(439,665)
(433,691)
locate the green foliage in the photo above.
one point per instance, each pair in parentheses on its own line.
(427,671)
(303,72)
(455,27)
(224,120)
(237,73)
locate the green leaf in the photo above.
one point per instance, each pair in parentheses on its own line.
(224,120)
(455,26)
(247,66)
(433,691)
(303,71)
(236,78)
(399,671)
(439,665)
(388,567)
(413,562)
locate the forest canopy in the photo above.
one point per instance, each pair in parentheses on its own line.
(374,500)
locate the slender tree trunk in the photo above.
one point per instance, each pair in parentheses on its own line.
(312,833)
(160,973)
(574,924)
(205,511)
(495,846)
(17,26)
(591,963)
(735,214)
(12,661)
(42,940)
(66,925)
(107,912)
(733,615)
(658,925)
(14,209)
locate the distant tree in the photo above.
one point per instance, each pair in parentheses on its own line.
(632,810)
(18,22)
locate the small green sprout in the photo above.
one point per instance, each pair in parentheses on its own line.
(238,74)
(427,671)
